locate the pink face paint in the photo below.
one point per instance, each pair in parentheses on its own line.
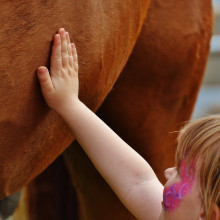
(173,195)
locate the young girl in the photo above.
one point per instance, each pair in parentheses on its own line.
(192,188)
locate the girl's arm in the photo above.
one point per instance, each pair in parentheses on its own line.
(129,175)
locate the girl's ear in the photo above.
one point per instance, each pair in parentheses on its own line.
(216,213)
(215,216)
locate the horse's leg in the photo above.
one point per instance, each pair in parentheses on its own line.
(152,98)
(49,196)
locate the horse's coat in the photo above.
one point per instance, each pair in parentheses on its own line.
(153,96)
(105,32)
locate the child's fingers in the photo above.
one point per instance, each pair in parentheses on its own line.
(69,49)
(74,52)
(75,57)
(64,52)
(45,80)
(56,60)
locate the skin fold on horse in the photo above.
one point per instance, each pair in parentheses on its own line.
(153,96)
(105,33)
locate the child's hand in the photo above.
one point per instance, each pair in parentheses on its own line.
(60,87)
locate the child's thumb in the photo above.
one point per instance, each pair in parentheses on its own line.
(44,79)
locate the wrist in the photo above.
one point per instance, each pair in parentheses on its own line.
(68,108)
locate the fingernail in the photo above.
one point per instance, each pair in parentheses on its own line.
(58,36)
(67,35)
(42,69)
(62,30)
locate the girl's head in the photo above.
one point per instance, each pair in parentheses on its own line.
(199,148)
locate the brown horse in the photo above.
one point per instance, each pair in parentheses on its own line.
(153,96)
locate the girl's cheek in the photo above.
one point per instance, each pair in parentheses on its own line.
(174,194)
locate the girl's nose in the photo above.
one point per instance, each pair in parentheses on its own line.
(169,172)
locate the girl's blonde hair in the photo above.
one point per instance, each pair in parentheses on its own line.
(199,144)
